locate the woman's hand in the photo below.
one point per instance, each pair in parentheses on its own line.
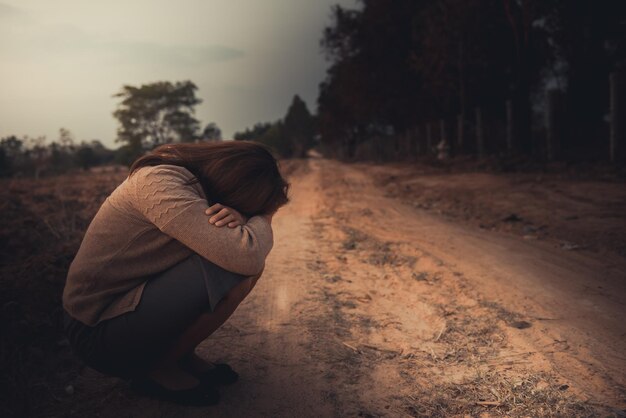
(221,215)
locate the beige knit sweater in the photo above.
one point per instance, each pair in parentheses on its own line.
(149,223)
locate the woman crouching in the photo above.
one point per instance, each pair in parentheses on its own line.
(167,259)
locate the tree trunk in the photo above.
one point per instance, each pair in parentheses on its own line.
(554,124)
(480,139)
(618,116)
(509,127)
(460,131)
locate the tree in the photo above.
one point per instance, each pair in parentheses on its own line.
(86,157)
(10,151)
(276,139)
(38,154)
(31,156)
(155,114)
(12,145)
(397,64)
(6,168)
(370,87)
(66,139)
(299,127)
(588,39)
(254,133)
(62,151)
(291,136)
(211,133)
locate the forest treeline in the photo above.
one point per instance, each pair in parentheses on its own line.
(148,116)
(407,78)
(34,157)
(291,136)
(513,72)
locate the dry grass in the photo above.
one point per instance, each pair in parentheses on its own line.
(41,225)
(575,210)
(494,394)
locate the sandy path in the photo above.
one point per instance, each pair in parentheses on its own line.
(371,308)
(269,339)
(368,307)
(570,307)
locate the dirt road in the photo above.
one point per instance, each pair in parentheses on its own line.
(369,307)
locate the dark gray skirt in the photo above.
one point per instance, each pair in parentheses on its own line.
(128,345)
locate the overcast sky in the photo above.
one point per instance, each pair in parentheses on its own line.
(61,61)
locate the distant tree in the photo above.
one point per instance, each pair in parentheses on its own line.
(254,133)
(61,152)
(102,153)
(12,145)
(299,127)
(10,153)
(291,136)
(211,133)
(86,157)
(57,156)
(155,114)
(126,154)
(276,139)
(28,155)
(31,155)
(37,155)
(66,139)
(5,164)
(89,154)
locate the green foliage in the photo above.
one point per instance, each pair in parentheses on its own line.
(156,113)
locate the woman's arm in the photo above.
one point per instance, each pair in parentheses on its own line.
(221,215)
(178,210)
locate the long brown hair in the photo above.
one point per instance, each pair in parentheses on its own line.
(243,175)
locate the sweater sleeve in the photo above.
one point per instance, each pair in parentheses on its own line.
(178,210)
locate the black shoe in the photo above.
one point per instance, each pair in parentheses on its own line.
(201,395)
(220,374)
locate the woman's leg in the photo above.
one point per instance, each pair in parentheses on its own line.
(178,309)
(207,323)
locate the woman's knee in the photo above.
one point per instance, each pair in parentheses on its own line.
(238,293)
